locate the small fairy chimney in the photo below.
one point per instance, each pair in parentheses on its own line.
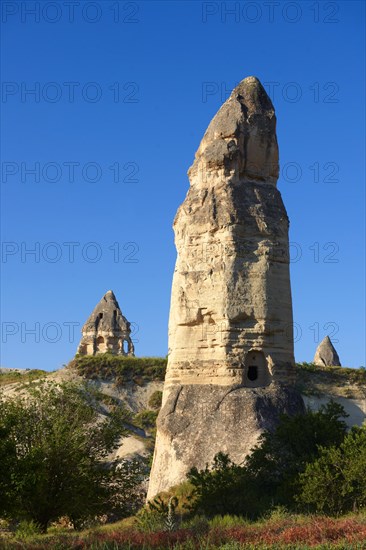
(106,330)
(326,354)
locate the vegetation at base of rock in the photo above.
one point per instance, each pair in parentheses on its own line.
(250,506)
(310,464)
(122,369)
(270,475)
(53,458)
(335,483)
(294,532)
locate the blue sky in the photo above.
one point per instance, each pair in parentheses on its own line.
(122,94)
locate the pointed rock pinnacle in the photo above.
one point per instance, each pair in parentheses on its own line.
(326,354)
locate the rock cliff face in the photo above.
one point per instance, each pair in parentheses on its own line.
(230,327)
(106,330)
(326,354)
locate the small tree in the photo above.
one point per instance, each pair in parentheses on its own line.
(224,488)
(281,456)
(335,483)
(270,473)
(53,449)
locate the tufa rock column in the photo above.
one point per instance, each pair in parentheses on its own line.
(231,359)
(326,355)
(106,330)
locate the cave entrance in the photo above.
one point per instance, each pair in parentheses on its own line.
(256,373)
(252,372)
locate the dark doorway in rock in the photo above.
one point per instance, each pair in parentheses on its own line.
(256,373)
(252,372)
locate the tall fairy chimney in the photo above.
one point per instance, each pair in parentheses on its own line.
(231,357)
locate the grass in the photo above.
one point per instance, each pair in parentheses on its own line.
(295,532)
(314,380)
(13,377)
(122,370)
(356,376)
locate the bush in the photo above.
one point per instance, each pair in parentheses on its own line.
(53,452)
(270,476)
(197,524)
(159,516)
(156,399)
(336,482)
(27,529)
(146,419)
(149,521)
(123,369)
(219,490)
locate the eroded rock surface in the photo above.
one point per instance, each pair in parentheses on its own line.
(106,330)
(198,421)
(326,354)
(230,326)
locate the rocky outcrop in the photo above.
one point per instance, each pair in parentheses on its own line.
(198,421)
(326,354)
(106,330)
(230,327)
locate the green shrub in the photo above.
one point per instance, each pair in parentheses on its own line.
(278,513)
(156,399)
(149,521)
(27,529)
(199,524)
(145,419)
(166,510)
(122,369)
(270,476)
(335,483)
(54,450)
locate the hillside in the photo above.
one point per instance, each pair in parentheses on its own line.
(137,384)
(344,385)
(134,383)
